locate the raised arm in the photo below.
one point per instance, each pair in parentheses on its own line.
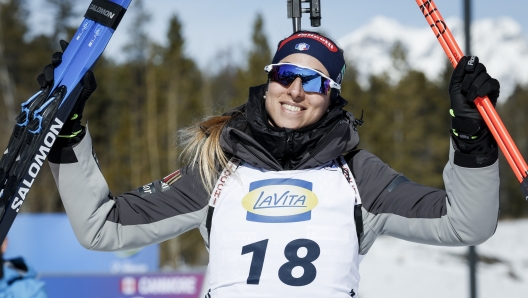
(150,214)
(466,213)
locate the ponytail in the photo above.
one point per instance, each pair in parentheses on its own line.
(201,147)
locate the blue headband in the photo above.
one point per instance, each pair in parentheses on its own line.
(317,46)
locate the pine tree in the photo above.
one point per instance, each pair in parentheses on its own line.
(137,52)
(258,56)
(25,61)
(12,31)
(514,115)
(406,124)
(221,86)
(180,102)
(64,14)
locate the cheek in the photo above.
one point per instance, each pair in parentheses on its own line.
(322,104)
(268,105)
(272,97)
(274,90)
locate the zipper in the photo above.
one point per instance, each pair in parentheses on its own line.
(321,144)
(273,166)
(289,149)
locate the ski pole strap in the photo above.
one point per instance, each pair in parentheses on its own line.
(73,134)
(106,13)
(466,128)
(71,127)
(358,219)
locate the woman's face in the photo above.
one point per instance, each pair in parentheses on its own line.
(291,107)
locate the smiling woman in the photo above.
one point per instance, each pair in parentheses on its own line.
(288,104)
(286,202)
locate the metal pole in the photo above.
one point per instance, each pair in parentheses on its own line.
(296,24)
(295,13)
(472,269)
(467,25)
(472,254)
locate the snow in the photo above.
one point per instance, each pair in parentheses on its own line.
(499,43)
(396,268)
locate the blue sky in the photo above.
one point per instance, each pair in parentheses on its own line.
(211,26)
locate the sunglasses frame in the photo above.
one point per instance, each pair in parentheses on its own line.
(333,84)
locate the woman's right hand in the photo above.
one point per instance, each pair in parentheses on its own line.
(72,127)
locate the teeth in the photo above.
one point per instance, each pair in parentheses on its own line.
(291,108)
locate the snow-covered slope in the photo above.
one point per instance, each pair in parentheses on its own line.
(499,43)
(396,268)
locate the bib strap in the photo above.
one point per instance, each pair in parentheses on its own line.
(358,214)
(232,166)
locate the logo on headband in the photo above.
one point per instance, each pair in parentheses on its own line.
(326,42)
(302,46)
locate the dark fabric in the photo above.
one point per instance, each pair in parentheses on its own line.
(482,145)
(395,182)
(380,195)
(133,208)
(250,137)
(62,155)
(469,81)
(209,221)
(477,153)
(62,149)
(466,128)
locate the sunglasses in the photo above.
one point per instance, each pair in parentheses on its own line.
(312,80)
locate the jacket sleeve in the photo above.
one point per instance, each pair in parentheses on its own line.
(150,214)
(465,213)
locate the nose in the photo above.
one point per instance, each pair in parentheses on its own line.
(296,90)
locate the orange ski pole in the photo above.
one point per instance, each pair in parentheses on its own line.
(448,43)
(486,109)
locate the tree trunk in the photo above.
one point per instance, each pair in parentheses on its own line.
(172,117)
(6,85)
(152,124)
(171,249)
(135,133)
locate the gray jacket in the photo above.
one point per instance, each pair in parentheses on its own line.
(465,213)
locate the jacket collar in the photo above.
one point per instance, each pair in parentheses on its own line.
(250,137)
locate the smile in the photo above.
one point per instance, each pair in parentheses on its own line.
(291,108)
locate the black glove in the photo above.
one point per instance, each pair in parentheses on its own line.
(469,81)
(72,127)
(475,144)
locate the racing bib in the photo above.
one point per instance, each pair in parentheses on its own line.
(284,234)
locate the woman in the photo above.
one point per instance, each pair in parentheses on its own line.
(286,203)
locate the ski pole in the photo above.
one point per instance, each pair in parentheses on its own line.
(486,109)
(448,43)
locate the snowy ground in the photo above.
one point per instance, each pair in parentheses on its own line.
(395,268)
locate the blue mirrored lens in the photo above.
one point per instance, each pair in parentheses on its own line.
(285,74)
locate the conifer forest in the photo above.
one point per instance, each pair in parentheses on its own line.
(142,102)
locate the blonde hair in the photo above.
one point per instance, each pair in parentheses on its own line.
(201,147)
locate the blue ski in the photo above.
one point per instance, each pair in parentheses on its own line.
(43,115)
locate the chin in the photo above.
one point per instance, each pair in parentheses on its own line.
(289,125)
